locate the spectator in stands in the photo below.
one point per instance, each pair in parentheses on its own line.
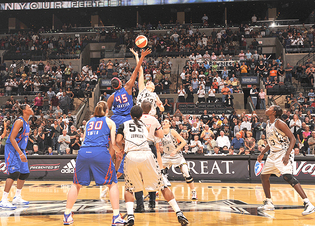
(64,103)
(210,144)
(241,55)
(237,143)
(64,141)
(201,94)
(250,142)
(181,94)
(211,95)
(246,124)
(311,143)
(229,100)
(295,124)
(196,146)
(253,94)
(223,140)
(244,68)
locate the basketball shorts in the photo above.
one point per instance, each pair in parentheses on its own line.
(169,161)
(121,167)
(13,161)
(119,119)
(142,171)
(94,163)
(274,164)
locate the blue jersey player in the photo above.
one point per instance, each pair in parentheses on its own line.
(121,100)
(95,162)
(15,158)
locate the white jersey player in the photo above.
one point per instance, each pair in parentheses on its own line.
(281,142)
(146,92)
(173,156)
(140,166)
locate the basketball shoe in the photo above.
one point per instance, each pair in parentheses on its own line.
(7,205)
(193,195)
(117,220)
(268,205)
(68,218)
(181,218)
(308,208)
(130,220)
(17,200)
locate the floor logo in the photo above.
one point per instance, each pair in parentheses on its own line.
(69,168)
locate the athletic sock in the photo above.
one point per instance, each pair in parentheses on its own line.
(5,196)
(174,205)
(18,192)
(67,211)
(193,189)
(269,200)
(129,207)
(306,200)
(115,212)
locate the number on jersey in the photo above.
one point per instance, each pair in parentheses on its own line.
(123,99)
(95,125)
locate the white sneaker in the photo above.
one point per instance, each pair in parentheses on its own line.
(68,218)
(17,200)
(7,205)
(166,181)
(194,195)
(268,206)
(308,209)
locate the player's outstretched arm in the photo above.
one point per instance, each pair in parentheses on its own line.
(181,139)
(110,101)
(133,77)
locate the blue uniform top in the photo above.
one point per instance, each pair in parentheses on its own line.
(97,133)
(22,136)
(122,103)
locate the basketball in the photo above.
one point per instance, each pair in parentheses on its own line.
(141,41)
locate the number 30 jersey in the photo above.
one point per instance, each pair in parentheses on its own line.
(136,138)
(96,133)
(149,96)
(276,139)
(122,103)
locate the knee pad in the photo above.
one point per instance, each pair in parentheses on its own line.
(14,176)
(290,179)
(24,176)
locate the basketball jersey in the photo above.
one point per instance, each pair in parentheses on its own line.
(97,133)
(122,103)
(149,96)
(136,138)
(22,136)
(169,144)
(152,124)
(277,140)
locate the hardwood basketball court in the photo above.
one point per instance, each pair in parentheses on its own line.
(218,204)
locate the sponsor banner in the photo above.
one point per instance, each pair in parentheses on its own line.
(219,63)
(210,169)
(302,170)
(249,80)
(106,82)
(46,169)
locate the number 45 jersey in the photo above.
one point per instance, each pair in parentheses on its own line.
(136,138)
(122,103)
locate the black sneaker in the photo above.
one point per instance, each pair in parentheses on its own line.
(139,209)
(181,218)
(152,207)
(130,220)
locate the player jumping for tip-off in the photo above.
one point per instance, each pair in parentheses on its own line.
(173,156)
(281,142)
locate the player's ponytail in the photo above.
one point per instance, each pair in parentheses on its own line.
(136,113)
(100,109)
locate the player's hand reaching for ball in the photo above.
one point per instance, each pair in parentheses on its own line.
(134,52)
(146,52)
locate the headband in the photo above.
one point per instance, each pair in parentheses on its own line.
(118,81)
